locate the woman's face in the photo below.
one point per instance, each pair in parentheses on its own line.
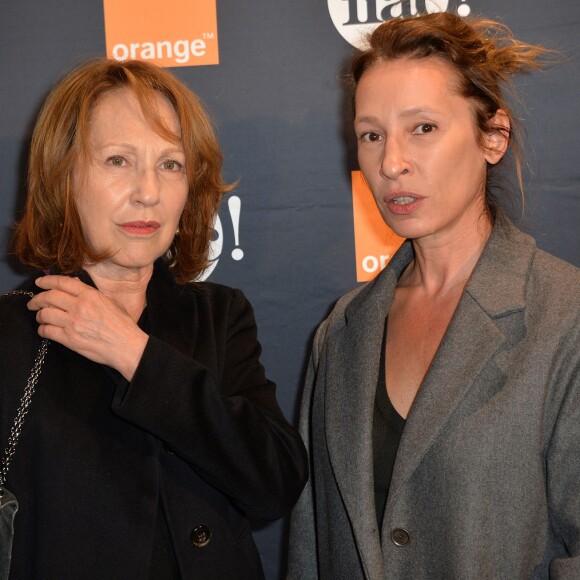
(418,149)
(131,192)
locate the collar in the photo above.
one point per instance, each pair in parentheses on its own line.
(497,283)
(171,307)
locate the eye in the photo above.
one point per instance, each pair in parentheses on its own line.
(116,161)
(370,137)
(172,165)
(424,128)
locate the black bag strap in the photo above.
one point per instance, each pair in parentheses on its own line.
(24,402)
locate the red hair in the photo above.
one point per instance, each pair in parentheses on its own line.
(50,232)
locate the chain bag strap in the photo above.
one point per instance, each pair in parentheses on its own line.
(8,502)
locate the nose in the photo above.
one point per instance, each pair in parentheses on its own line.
(146,189)
(394,162)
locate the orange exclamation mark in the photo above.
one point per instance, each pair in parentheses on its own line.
(234,205)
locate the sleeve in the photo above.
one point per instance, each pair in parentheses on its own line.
(230,428)
(303,551)
(563,472)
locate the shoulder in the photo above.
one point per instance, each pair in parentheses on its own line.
(546,288)
(337,314)
(217,304)
(19,339)
(14,315)
(203,296)
(548,279)
(334,321)
(351,302)
(215,295)
(516,246)
(513,274)
(553,294)
(374,294)
(551,274)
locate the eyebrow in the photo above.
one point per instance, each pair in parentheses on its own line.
(121,144)
(406,113)
(417,111)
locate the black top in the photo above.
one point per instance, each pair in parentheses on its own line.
(388,427)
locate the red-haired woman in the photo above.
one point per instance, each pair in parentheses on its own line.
(154,433)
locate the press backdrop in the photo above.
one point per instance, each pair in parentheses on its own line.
(284,125)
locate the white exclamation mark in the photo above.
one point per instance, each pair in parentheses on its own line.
(463,9)
(234,205)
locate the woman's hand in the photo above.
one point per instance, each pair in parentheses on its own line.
(83,319)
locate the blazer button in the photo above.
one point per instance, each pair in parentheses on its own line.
(400,537)
(201,536)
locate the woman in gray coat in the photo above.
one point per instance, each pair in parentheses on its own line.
(442,403)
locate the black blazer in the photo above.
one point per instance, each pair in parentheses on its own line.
(198,429)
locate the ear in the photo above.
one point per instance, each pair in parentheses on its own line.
(496,140)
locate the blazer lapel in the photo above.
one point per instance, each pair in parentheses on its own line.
(353,355)
(474,336)
(457,363)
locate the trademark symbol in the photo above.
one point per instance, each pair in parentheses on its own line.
(208,35)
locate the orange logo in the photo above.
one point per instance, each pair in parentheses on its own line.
(176,33)
(375,243)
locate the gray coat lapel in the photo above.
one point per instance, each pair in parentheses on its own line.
(353,352)
(476,333)
(455,366)
(480,326)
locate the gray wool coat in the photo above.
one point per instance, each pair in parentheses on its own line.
(486,483)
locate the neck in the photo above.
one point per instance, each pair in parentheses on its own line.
(126,286)
(442,266)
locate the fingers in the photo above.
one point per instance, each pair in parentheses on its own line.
(62,309)
(54,333)
(61,292)
(51,299)
(65,283)
(86,321)
(52,315)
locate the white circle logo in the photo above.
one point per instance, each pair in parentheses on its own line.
(355,19)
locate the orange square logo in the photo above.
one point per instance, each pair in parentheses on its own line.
(176,33)
(375,243)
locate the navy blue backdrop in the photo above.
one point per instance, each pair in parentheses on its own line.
(284,126)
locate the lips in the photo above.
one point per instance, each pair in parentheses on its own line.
(403,202)
(140,228)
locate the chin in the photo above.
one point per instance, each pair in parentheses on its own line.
(135,262)
(403,228)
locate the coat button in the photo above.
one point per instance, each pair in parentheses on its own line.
(201,536)
(400,537)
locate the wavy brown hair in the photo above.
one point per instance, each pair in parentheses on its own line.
(484,54)
(50,232)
